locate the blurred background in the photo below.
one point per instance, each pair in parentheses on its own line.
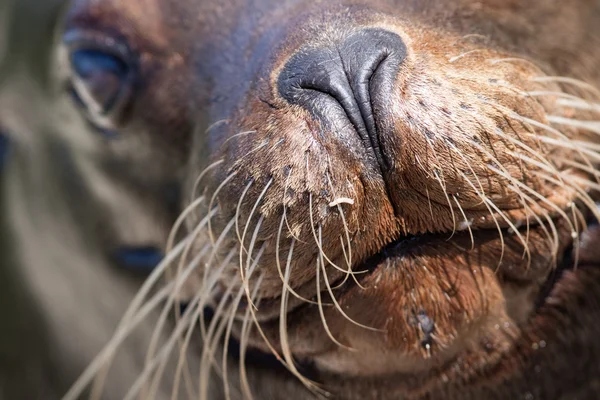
(26,30)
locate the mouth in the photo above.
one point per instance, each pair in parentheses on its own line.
(300,314)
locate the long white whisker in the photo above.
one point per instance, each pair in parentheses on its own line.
(207,288)
(106,354)
(322,312)
(335,302)
(201,176)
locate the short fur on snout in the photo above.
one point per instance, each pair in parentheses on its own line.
(447,250)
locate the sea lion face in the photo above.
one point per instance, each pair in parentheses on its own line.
(386,188)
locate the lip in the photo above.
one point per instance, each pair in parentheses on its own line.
(537,343)
(302,314)
(269,311)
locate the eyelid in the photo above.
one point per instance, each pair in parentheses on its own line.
(79,42)
(77,39)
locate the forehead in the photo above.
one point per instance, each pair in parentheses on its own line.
(139,18)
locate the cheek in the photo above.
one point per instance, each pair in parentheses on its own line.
(165,102)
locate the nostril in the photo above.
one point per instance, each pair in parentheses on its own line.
(355,75)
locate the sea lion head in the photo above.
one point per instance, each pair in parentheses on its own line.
(384,193)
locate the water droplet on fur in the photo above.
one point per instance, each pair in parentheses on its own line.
(574,235)
(535,346)
(542,344)
(464,225)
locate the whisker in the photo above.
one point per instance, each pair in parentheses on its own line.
(244,273)
(579,166)
(335,302)
(205,289)
(321,311)
(215,332)
(517,60)
(570,81)
(579,104)
(540,197)
(451,60)
(467,222)
(587,149)
(121,334)
(429,202)
(212,201)
(514,189)
(441,181)
(590,126)
(283,333)
(486,203)
(272,349)
(245,334)
(450,206)
(237,214)
(551,130)
(171,302)
(237,135)
(544,93)
(106,355)
(287,223)
(319,246)
(234,308)
(180,220)
(514,229)
(170,305)
(243,237)
(103,359)
(202,298)
(201,176)
(347,255)
(278,259)
(470,36)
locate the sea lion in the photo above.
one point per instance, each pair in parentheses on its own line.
(373,199)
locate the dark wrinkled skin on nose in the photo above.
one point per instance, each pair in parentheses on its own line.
(346,83)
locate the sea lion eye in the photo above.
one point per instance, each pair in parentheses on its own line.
(102,73)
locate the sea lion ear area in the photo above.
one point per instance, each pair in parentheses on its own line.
(356,74)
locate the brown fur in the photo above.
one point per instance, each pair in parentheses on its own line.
(476,132)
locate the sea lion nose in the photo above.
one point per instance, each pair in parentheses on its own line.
(358,75)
